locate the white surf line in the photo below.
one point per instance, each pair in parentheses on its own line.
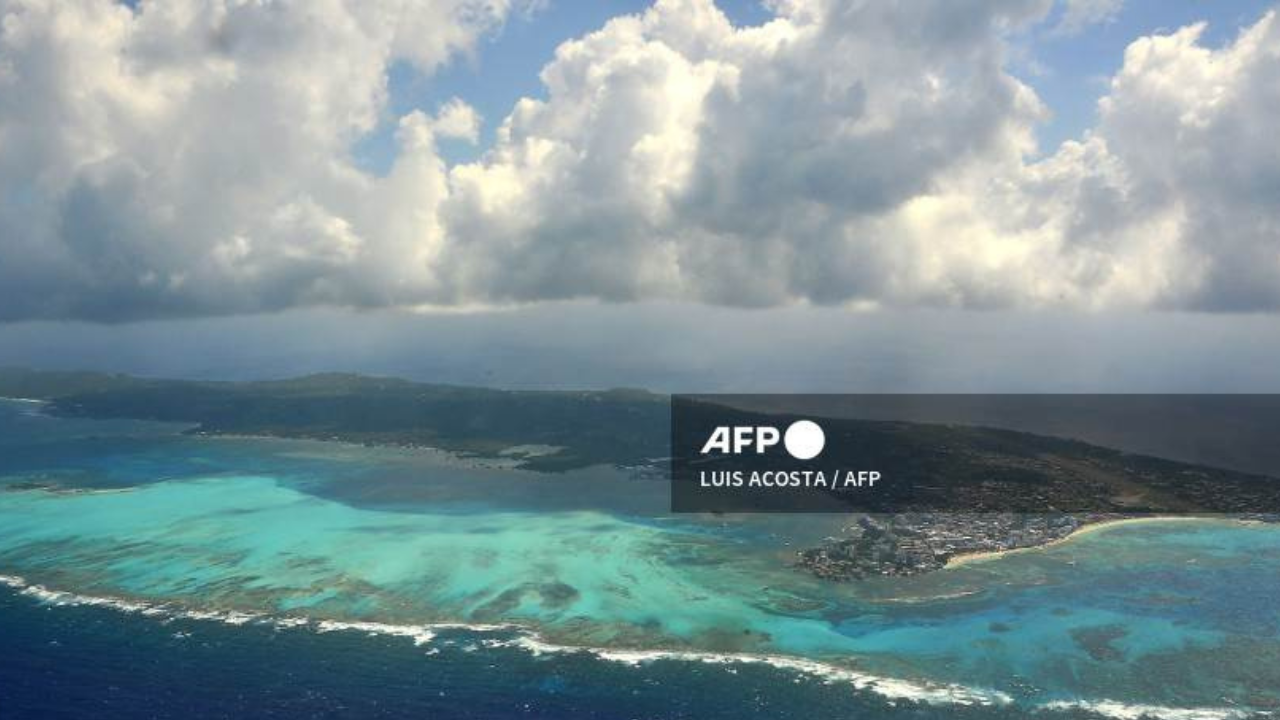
(1126,711)
(529,641)
(892,690)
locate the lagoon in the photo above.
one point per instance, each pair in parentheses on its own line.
(300,536)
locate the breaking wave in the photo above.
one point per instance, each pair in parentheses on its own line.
(892,690)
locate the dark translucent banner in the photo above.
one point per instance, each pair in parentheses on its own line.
(1165,454)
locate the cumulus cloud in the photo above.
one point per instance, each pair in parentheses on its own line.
(1195,130)
(194,157)
(675,154)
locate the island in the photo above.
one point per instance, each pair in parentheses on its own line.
(547,431)
(1014,489)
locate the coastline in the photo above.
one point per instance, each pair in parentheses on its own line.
(445,456)
(1086,529)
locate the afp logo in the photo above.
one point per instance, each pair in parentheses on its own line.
(803,439)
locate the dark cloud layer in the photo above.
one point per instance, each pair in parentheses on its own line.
(692,348)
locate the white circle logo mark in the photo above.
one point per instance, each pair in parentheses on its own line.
(804,440)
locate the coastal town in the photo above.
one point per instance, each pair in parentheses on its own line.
(914,543)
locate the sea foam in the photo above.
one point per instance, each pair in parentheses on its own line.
(1127,711)
(892,690)
(529,641)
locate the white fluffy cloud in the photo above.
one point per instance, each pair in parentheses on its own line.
(1196,132)
(194,157)
(677,155)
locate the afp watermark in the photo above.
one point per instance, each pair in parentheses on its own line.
(728,459)
(976,453)
(803,439)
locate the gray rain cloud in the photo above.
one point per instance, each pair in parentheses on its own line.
(193,157)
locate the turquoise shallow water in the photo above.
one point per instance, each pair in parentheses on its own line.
(1167,615)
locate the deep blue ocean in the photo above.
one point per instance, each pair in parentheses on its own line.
(148,573)
(98,662)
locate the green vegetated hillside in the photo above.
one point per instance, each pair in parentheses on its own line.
(934,466)
(621,427)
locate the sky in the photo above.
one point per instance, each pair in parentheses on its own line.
(665,347)
(1068,59)
(923,191)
